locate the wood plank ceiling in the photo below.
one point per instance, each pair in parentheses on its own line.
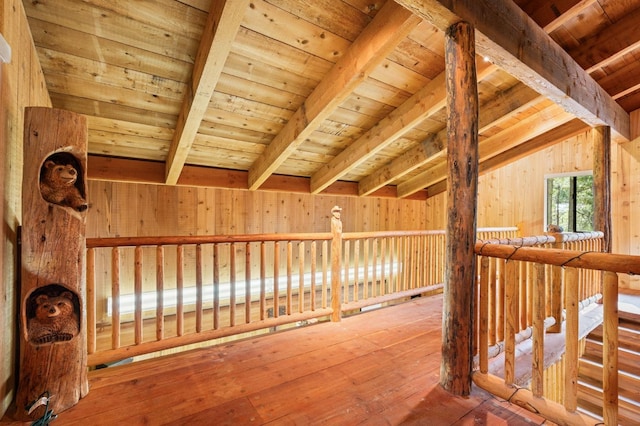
(335,96)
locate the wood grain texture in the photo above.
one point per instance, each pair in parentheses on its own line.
(462,174)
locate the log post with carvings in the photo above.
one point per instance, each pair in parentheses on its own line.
(53,348)
(462,180)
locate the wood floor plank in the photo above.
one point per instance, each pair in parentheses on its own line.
(375,368)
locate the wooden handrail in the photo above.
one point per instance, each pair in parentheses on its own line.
(569,283)
(202,239)
(622,263)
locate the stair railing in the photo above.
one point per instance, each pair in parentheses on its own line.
(540,318)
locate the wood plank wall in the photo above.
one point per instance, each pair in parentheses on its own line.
(21,84)
(121,209)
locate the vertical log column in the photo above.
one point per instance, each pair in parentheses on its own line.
(53,344)
(462,159)
(601,137)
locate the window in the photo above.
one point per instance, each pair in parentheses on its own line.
(569,201)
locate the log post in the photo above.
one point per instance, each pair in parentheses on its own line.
(53,344)
(610,349)
(601,137)
(336,261)
(462,178)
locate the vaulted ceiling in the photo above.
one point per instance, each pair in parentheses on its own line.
(334,96)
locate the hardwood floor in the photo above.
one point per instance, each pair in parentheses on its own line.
(376,368)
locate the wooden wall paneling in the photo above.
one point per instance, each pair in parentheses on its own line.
(167,209)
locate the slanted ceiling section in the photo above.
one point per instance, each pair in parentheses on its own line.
(330,96)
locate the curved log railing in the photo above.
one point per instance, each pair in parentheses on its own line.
(545,290)
(150,294)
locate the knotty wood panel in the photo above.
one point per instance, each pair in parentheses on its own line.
(21,84)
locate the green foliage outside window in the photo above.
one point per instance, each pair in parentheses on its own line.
(570,202)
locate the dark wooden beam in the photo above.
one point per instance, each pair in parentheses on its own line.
(513,41)
(462,160)
(152,172)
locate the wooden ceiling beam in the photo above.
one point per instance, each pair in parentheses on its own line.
(550,138)
(513,41)
(535,125)
(424,103)
(387,29)
(222,26)
(610,44)
(101,168)
(492,113)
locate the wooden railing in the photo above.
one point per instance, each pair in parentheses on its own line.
(149,294)
(546,287)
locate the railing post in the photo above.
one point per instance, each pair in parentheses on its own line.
(336,256)
(610,349)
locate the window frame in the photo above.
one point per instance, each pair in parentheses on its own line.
(573,196)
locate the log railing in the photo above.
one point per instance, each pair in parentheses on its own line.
(546,294)
(149,294)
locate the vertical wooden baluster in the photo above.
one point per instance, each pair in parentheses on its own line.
(138,295)
(374,267)
(493,304)
(393,270)
(198,288)
(610,349)
(115,298)
(263,280)
(556,298)
(276,279)
(91,300)
(356,272)
(530,282)
(572,351)
(539,303)
(511,324)
(500,299)
(432,260)
(232,283)
(383,264)
(301,276)
(180,290)
(522,282)
(247,283)
(325,271)
(484,315)
(314,268)
(216,286)
(346,282)
(159,292)
(289,277)
(365,289)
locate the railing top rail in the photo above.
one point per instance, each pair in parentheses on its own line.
(387,234)
(203,239)
(247,238)
(545,239)
(622,263)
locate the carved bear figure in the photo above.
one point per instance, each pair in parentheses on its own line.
(57,185)
(55,319)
